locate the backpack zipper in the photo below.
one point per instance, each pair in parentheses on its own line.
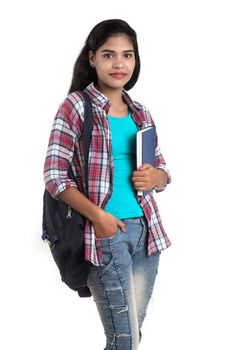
(69,213)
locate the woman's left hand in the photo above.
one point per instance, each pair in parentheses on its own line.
(148,177)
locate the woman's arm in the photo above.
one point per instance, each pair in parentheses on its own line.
(104,224)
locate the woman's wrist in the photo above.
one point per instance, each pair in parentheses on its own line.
(161,179)
(96,214)
(78,201)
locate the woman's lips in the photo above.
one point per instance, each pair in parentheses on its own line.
(118,75)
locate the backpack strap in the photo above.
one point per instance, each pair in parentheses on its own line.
(88,128)
(87,132)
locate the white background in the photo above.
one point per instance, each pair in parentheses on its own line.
(187,81)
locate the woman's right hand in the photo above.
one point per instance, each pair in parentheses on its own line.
(106,225)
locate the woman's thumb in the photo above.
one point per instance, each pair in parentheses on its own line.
(121,225)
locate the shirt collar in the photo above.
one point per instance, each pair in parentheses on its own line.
(101,100)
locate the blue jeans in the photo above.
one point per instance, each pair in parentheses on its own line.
(123,285)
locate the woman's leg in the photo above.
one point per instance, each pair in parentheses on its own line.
(117,286)
(144,270)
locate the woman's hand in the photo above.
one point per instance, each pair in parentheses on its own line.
(106,225)
(148,177)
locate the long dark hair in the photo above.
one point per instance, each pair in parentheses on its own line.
(83,74)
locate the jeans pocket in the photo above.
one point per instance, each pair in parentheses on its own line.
(110,238)
(108,245)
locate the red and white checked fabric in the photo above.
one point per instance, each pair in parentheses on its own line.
(66,148)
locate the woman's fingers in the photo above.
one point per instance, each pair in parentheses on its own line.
(121,225)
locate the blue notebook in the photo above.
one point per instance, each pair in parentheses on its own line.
(145,148)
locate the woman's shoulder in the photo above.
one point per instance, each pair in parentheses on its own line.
(135,104)
(73,101)
(144,112)
(72,107)
(141,106)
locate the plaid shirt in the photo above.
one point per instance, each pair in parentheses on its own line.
(66,147)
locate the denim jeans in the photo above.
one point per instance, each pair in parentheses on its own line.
(123,285)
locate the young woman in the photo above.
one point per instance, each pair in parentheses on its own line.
(123,234)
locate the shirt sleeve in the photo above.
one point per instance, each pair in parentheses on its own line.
(161,164)
(159,159)
(60,151)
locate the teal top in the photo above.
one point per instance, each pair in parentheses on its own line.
(123,203)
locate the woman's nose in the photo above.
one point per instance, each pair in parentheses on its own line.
(118,63)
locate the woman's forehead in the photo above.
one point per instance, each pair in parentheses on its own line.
(118,42)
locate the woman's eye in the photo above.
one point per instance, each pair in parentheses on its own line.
(112,55)
(108,55)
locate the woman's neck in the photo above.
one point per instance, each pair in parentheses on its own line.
(117,106)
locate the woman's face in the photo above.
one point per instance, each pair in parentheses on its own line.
(114,62)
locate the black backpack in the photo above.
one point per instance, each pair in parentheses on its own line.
(63,227)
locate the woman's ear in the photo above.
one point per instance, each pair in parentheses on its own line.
(91,58)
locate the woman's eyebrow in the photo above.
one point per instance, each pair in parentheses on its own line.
(112,51)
